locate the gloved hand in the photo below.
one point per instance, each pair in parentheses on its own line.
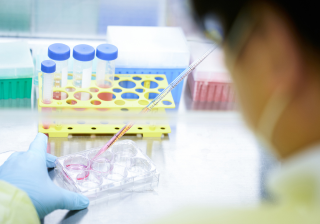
(28,172)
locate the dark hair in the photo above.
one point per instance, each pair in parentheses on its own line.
(304,15)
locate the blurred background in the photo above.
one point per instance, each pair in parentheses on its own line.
(88,19)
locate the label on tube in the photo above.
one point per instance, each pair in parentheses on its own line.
(86,77)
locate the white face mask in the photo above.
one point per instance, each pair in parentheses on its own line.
(269,118)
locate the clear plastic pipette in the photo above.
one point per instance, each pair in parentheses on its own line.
(156,100)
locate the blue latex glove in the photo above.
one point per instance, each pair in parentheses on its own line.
(28,172)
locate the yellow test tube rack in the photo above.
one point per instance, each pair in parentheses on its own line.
(129,92)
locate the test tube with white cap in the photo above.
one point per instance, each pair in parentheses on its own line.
(48,68)
(60,53)
(82,69)
(106,55)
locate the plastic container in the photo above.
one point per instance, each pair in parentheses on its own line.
(48,69)
(16,70)
(139,165)
(60,53)
(15,88)
(106,155)
(76,163)
(151,51)
(119,104)
(105,179)
(106,55)
(89,179)
(210,81)
(122,160)
(124,149)
(117,173)
(82,69)
(102,166)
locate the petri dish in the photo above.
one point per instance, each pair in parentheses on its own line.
(117,173)
(102,166)
(122,160)
(89,179)
(125,149)
(139,166)
(106,155)
(76,163)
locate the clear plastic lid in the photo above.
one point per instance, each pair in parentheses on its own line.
(16,60)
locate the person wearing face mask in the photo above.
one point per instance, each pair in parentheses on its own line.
(272,50)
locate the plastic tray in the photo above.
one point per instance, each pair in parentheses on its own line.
(128,91)
(15,88)
(204,91)
(107,127)
(122,168)
(171,74)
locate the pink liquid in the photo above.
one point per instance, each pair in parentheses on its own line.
(105,96)
(46,117)
(83,177)
(57,95)
(76,167)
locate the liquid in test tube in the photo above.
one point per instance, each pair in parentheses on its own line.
(106,55)
(60,53)
(48,69)
(82,69)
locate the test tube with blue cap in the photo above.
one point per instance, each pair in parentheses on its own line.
(82,69)
(60,53)
(106,55)
(48,68)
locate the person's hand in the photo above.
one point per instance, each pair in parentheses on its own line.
(28,172)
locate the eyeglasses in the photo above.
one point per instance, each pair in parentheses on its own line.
(237,37)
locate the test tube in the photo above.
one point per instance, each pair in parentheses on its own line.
(60,53)
(48,68)
(106,55)
(82,68)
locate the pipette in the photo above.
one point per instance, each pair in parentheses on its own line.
(156,100)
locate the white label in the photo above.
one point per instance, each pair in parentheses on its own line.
(86,77)
(64,78)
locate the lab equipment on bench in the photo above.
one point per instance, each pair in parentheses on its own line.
(118,106)
(124,169)
(106,55)
(48,69)
(60,53)
(210,81)
(82,69)
(16,70)
(151,51)
(159,98)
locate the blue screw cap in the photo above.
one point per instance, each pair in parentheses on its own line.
(48,66)
(59,52)
(83,52)
(107,52)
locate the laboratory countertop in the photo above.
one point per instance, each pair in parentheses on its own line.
(216,163)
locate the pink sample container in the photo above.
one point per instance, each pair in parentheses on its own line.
(210,81)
